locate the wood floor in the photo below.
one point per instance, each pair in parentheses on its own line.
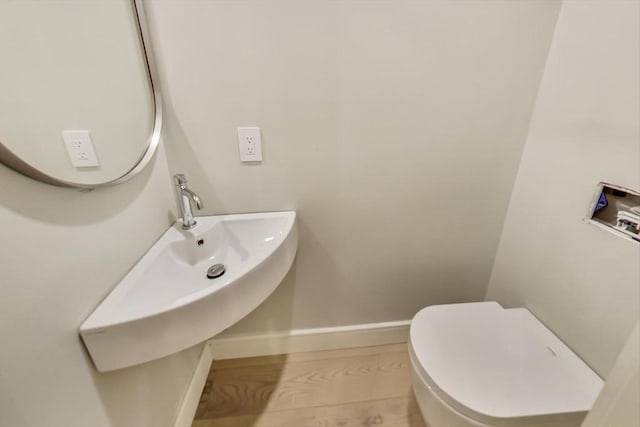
(368,386)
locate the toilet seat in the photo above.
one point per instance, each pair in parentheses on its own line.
(499,366)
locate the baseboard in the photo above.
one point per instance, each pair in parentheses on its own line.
(299,340)
(192,397)
(295,341)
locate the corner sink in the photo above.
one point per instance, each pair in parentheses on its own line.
(167,302)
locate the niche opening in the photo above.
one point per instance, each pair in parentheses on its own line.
(616,209)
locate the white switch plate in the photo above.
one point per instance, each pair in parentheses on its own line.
(249,144)
(80,148)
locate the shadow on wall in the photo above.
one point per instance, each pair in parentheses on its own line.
(182,159)
(66,206)
(279,312)
(161,381)
(275,314)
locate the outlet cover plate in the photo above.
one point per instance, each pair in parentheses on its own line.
(250,144)
(80,148)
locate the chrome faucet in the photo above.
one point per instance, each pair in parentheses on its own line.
(185,197)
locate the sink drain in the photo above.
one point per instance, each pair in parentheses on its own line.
(215,271)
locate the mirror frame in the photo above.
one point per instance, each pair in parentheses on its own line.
(11,160)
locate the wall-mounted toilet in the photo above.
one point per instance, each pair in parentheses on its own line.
(479,364)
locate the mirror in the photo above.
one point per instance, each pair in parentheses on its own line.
(78,107)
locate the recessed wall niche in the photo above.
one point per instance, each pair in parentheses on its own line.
(616,209)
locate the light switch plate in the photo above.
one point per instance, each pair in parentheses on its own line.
(80,148)
(250,144)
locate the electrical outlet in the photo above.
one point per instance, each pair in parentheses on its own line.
(249,144)
(80,148)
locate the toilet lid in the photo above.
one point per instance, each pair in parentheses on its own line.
(490,363)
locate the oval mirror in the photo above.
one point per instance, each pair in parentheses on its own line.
(78,107)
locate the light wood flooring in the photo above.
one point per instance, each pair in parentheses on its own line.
(369,386)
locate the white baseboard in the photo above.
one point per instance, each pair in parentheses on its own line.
(192,397)
(295,341)
(299,340)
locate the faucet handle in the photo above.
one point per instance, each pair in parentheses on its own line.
(180,179)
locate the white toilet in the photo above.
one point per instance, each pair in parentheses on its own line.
(479,364)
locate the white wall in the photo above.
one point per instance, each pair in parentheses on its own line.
(617,404)
(62,251)
(394,129)
(578,279)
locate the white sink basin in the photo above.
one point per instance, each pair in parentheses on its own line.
(166,303)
